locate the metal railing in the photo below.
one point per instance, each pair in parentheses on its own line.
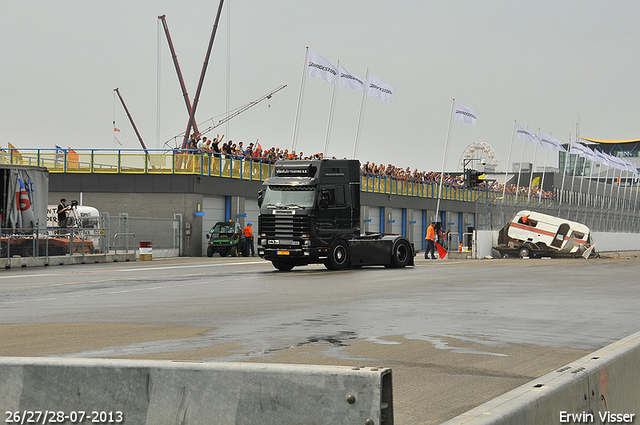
(50,242)
(603,212)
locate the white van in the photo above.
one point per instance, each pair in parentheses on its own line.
(532,233)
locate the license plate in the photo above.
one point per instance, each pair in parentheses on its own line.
(283,252)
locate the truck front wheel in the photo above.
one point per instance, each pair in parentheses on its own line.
(338,256)
(209,251)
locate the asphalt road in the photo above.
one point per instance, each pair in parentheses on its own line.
(455,333)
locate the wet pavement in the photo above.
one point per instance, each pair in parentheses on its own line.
(455,332)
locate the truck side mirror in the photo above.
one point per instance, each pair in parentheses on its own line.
(208,235)
(260,197)
(324,199)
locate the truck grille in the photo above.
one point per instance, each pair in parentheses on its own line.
(285,227)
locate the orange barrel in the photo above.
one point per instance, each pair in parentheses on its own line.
(146,251)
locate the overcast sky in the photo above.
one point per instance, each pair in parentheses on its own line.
(545,64)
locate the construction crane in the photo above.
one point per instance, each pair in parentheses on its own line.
(183,87)
(192,113)
(131,120)
(230,116)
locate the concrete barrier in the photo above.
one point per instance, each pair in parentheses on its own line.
(607,242)
(603,387)
(16,262)
(139,392)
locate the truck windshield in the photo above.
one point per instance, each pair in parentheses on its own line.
(289,196)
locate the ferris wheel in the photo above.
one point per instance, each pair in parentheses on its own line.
(480,151)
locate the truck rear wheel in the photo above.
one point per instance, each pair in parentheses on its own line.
(401,255)
(338,256)
(283,266)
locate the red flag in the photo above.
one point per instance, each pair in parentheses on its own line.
(72,158)
(441,251)
(116,129)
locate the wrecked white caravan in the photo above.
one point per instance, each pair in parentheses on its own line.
(533,234)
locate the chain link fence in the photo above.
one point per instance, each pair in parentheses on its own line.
(117,234)
(125,233)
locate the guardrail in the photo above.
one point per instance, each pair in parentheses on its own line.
(140,392)
(602,387)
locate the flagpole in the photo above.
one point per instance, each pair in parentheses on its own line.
(599,172)
(360,115)
(296,123)
(544,167)
(611,191)
(635,203)
(444,158)
(567,158)
(524,145)
(506,172)
(604,192)
(333,102)
(535,152)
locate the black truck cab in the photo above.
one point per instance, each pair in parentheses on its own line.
(310,213)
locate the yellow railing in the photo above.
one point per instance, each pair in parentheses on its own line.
(184,162)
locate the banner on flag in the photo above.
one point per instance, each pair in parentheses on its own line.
(580,150)
(72,158)
(462,113)
(59,155)
(521,133)
(380,89)
(319,67)
(15,155)
(349,80)
(551,143)
(25,190)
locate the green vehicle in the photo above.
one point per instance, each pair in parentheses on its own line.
(226,239)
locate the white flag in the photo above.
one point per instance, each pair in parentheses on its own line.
(551,143)
(349,80)
(580,150)
(462,113)
(378,88)
(521,133)
(602,158)
(319,67)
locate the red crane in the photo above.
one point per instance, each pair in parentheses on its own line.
(183,87)
(131,120)
(191,122)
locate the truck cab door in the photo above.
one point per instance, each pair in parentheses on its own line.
(333,215)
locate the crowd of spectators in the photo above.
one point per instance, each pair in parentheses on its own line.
(238,150)
(456,181)
(254,151)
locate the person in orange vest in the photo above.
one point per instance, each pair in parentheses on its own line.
(431,236)
(248,238)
